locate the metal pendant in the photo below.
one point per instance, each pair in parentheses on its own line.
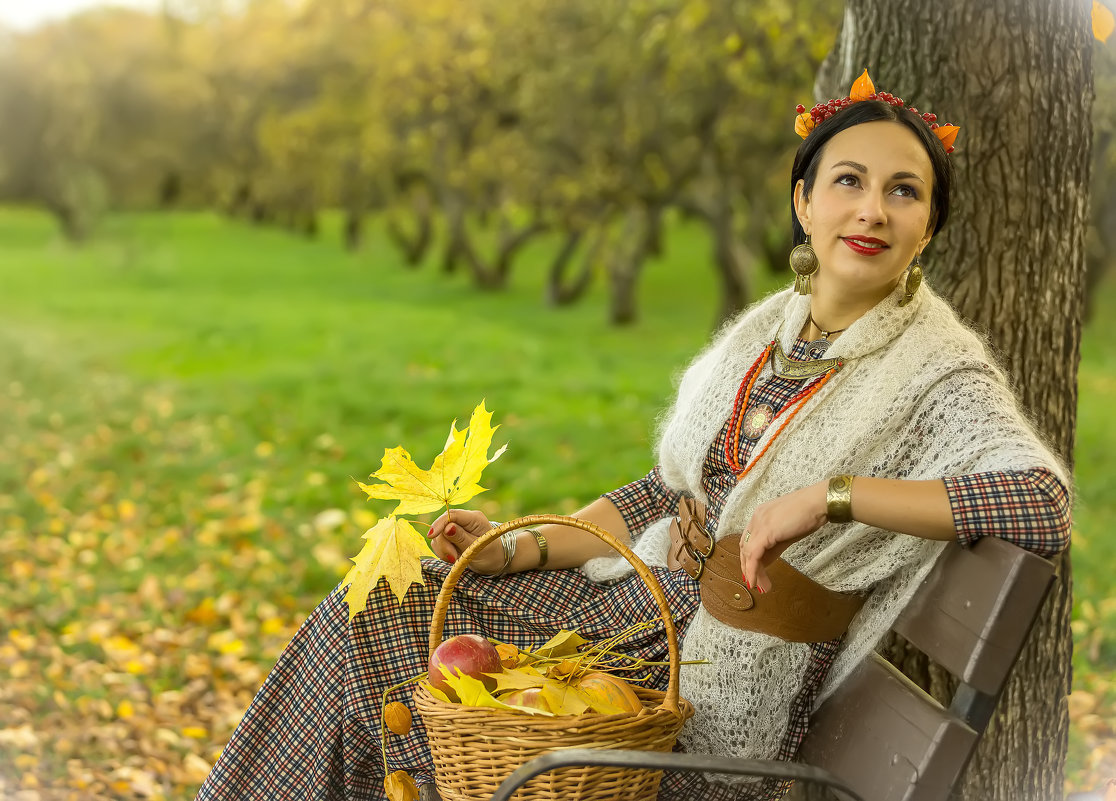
(815,349)
(756,420)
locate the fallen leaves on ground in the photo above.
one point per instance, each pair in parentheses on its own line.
(157,561)
(151,580)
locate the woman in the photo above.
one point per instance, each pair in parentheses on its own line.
(847,433)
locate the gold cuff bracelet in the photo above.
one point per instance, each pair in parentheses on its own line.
(543,549)
(838,499)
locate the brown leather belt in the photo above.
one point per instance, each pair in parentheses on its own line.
(796,608)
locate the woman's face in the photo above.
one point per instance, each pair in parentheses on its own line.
(869,212)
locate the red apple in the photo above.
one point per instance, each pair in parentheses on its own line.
(470,654)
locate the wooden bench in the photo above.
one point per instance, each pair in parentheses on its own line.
(889,740)
(879,737)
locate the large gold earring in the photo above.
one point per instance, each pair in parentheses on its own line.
(914,281)
(804,262)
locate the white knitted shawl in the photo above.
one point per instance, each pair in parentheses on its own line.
(918,398)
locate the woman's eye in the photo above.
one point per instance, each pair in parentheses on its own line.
(847,180)
(905,190)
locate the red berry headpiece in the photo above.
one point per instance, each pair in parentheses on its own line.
(863,89)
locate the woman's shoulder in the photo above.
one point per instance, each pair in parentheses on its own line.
(940,333)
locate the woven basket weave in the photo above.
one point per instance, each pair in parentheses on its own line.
(475,749)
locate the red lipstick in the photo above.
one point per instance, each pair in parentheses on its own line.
(865,245)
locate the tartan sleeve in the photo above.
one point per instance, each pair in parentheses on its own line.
(644,501)
(1030,508)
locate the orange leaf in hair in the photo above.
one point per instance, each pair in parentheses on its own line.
(803,124)
(947,134)
(862,87)
(1103,22)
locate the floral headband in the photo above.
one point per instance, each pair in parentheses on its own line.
(864,89)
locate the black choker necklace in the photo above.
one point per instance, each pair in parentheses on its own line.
(816,348)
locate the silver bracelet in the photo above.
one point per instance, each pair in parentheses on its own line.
(508,542)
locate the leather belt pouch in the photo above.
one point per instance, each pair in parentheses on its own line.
(797,608)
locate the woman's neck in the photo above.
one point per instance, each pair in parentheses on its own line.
(831,312)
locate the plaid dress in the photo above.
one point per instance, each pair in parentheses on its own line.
(313,729)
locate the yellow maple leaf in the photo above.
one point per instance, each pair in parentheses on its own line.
(451,480)
(392,550)
(1103,22)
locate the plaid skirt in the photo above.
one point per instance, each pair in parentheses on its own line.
(313,729)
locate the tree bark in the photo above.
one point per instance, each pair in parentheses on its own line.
(1016,75)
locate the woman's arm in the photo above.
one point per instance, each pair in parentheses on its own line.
(567,546)
(621,512)
(920,508)
(1030,508)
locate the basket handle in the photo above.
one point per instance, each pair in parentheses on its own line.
(670,701)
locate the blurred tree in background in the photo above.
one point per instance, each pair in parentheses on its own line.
(466,130)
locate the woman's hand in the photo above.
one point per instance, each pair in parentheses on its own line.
(775,526)
(456,530)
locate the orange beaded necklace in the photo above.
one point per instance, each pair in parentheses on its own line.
(795,404)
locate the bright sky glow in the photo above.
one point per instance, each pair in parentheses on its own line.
(26,14)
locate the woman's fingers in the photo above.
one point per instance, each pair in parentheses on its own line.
(444,549)
(751,562)
(453,533)
(775,526)
(438,527)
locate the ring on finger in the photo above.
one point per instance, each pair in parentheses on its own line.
(747,535)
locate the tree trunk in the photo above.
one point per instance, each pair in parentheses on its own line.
(1016,75)
(561,291)
(731,260)
(1101,252)
(512,242)
(625,264)
(354,229)
(715,201)
(414,246)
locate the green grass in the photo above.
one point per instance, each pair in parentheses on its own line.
(233,381)
(294,340)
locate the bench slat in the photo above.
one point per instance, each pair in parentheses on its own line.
(886,738)
(974,611)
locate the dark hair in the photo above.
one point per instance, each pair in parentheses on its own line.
(806,159)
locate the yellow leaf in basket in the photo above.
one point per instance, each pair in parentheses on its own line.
(392,550)
(517,679)
(563,698)
(399,786)
(450,481)
(563,643)
(473,693)
(441,696)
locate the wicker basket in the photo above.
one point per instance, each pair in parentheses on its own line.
(475,749)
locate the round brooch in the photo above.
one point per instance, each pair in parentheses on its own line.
(756,420)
